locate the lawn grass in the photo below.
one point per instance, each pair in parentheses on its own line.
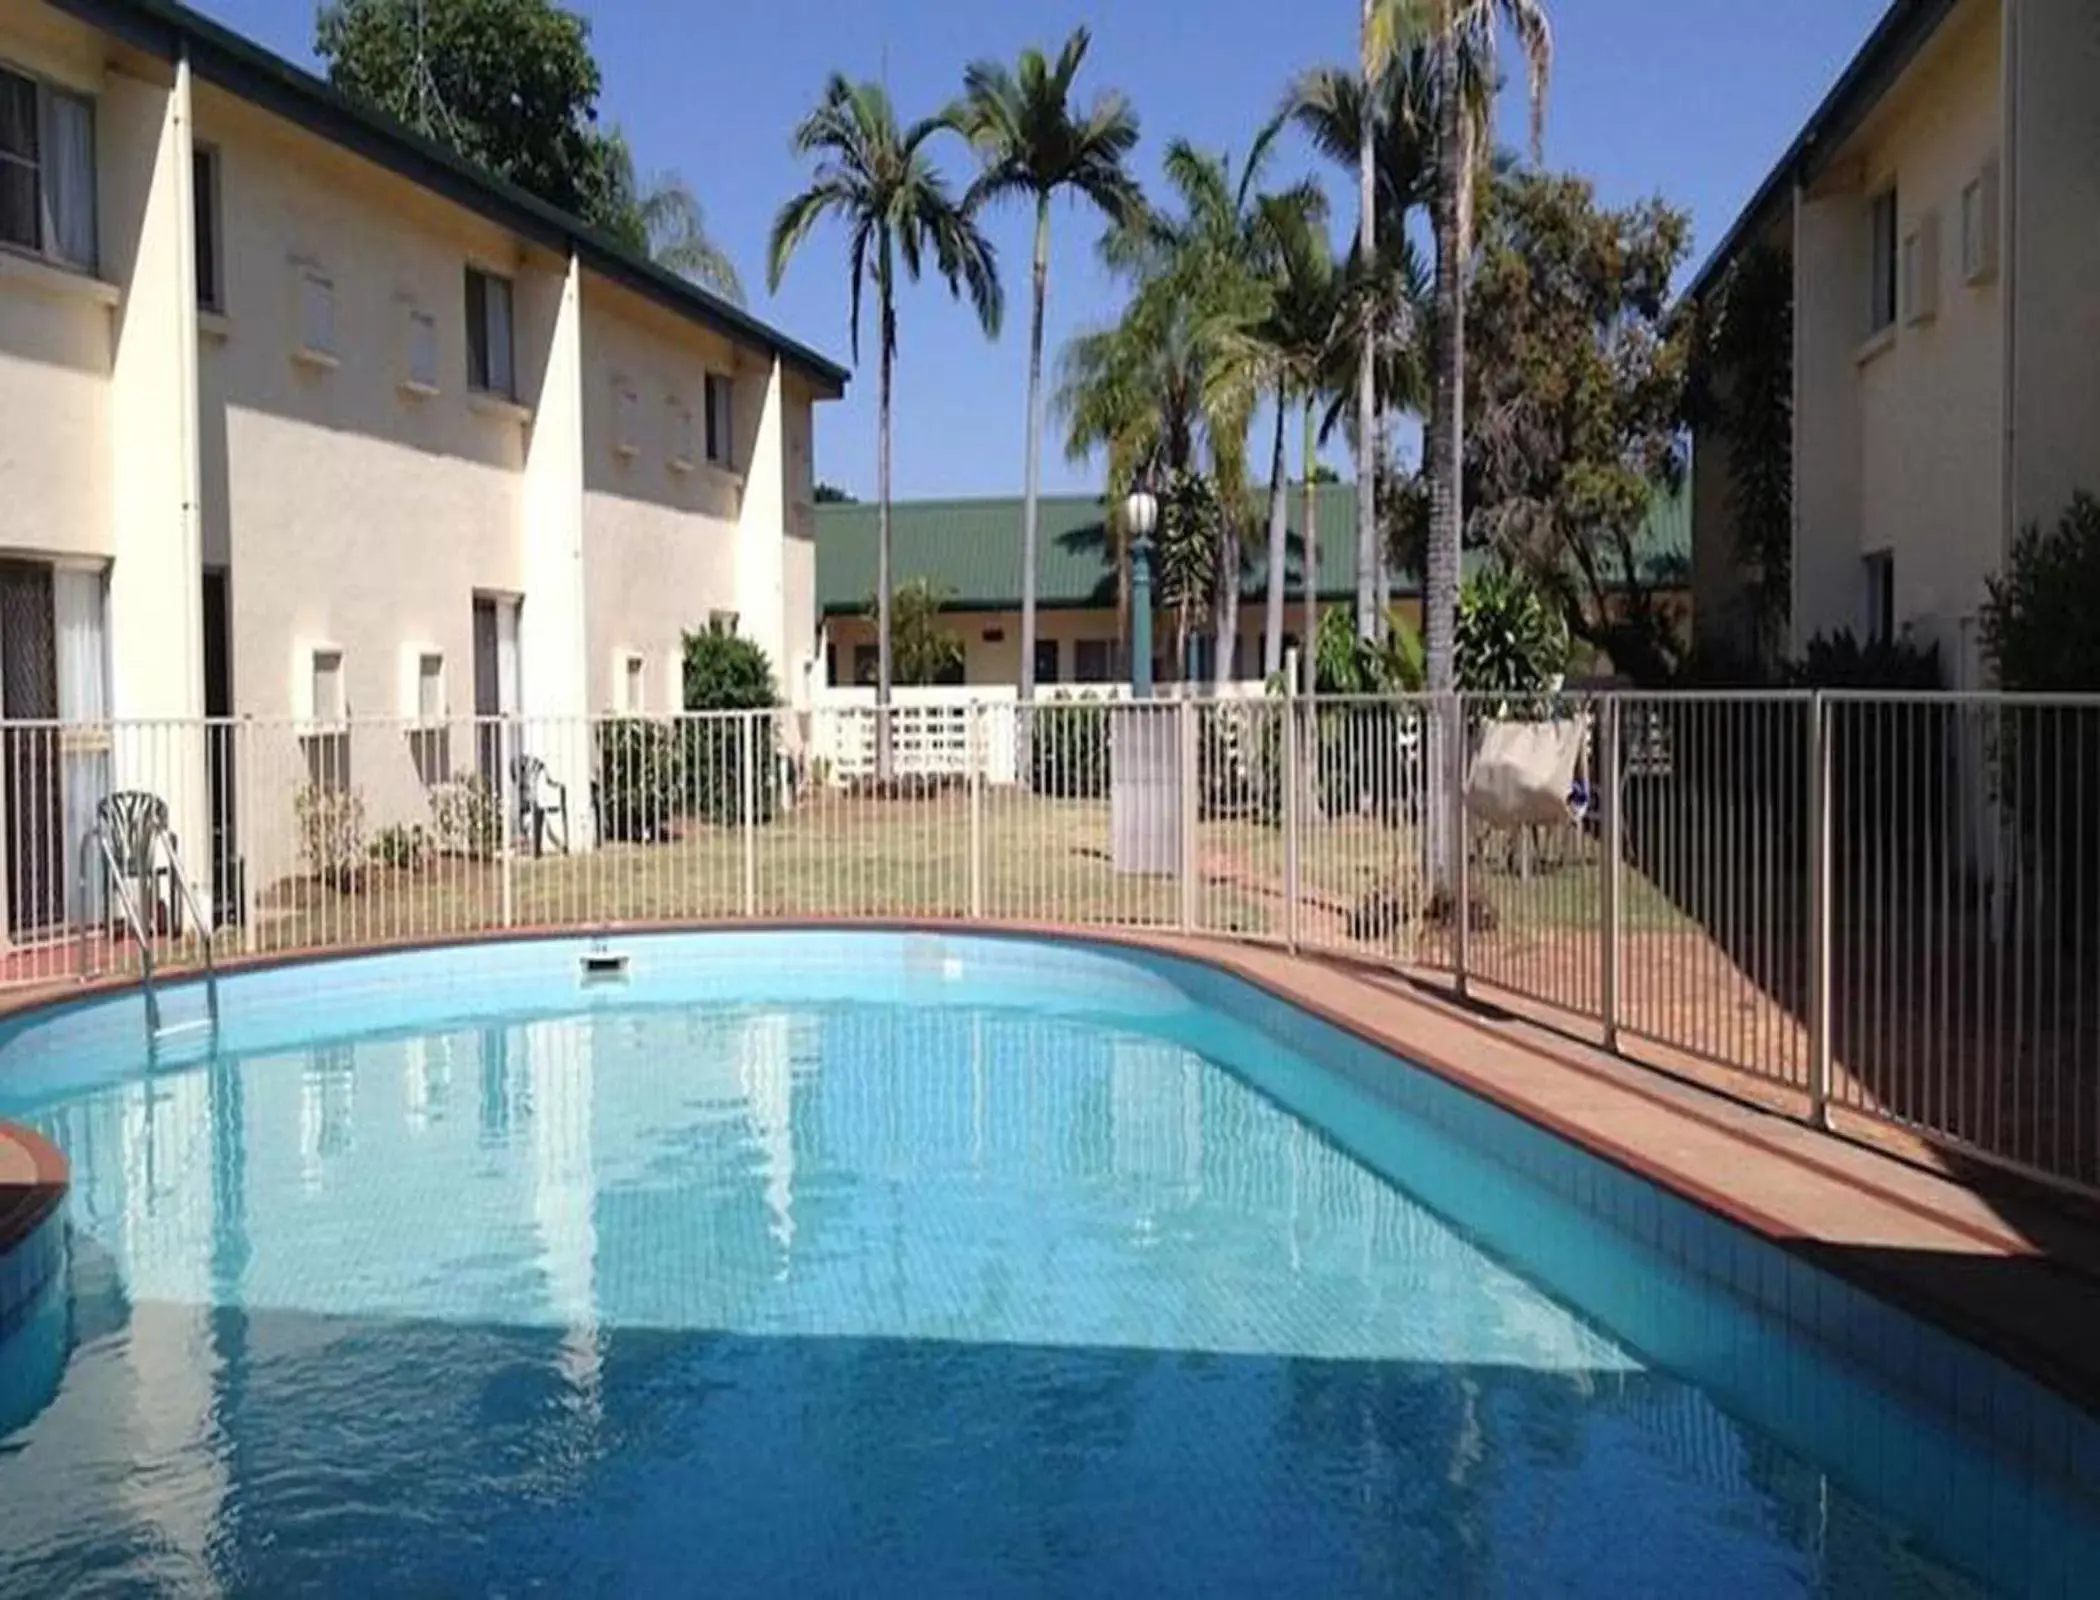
(1038,859)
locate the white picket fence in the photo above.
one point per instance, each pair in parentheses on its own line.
(957,731)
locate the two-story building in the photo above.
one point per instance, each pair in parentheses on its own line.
(1940,218)
(304,420)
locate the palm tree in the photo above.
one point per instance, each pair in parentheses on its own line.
(665,223)
(1033,146)
(1369,622)
(876,178)
(1217,256)
(679,241)
(1302,330)
(1340,113)
(1284,353)
(1462,37)
(1173,377)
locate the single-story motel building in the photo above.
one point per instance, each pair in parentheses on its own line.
(970,550)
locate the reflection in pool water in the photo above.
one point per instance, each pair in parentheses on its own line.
(836,1298)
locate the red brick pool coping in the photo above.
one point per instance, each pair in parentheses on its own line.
(33,1178)
(2007,1267)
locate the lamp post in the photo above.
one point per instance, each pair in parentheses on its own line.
(1141,516)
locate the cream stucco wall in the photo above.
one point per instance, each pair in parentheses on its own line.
(354,506)
(1931,401)
(660,538)
(352,512)
(1897,439)
(2054,264)
(55,343)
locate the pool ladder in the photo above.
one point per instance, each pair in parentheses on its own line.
(154,839)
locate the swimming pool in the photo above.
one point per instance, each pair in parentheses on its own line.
(853,1262)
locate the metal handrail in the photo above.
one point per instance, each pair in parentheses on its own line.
(98,837)
(159,838)
(198,920)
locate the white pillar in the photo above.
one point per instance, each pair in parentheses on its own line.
(156,607)
(552,637)
(761,533)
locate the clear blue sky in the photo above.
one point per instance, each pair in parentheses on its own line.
(1692,100)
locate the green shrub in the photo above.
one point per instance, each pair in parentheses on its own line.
(404,847)
(725,673)
(1510,640)
(2041,635)
(1840,661)
(331,825)
(642,781)
(466,818)
(1068,749)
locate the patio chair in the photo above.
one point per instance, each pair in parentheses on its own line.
(133,819)
(543,804)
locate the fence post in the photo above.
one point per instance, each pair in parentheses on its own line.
(747,769)
(510,744)
(976,756)
(1189,812)
(1819,869)
(244,824)
(1292,810)
(1613,792)
(1450,715)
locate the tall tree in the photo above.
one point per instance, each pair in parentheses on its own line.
(1394,116)
(664,222)
(1370,622)
(1171,381)
(510,84)
(1290,351)
(876,177)
(1575,416)
(1463,39)
(1035,146)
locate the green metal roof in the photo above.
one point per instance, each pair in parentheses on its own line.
(973,549)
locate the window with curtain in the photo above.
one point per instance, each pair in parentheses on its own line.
(78,608)
(47,170)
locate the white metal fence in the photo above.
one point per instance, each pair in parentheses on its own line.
(1884,911)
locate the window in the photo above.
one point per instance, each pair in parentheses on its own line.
(1882,246)
(1979,225)
(489,366)
(204,208)
(867,659)
(329,705)
(1046,660)
(635,685)
(422,352)
(722,623)
(47,170)
(430,687)
(1094,661)
(1880,597)
(720,419)
(681,446)
(1921,271)
(316,314)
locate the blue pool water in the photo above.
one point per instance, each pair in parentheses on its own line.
(852,1264)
